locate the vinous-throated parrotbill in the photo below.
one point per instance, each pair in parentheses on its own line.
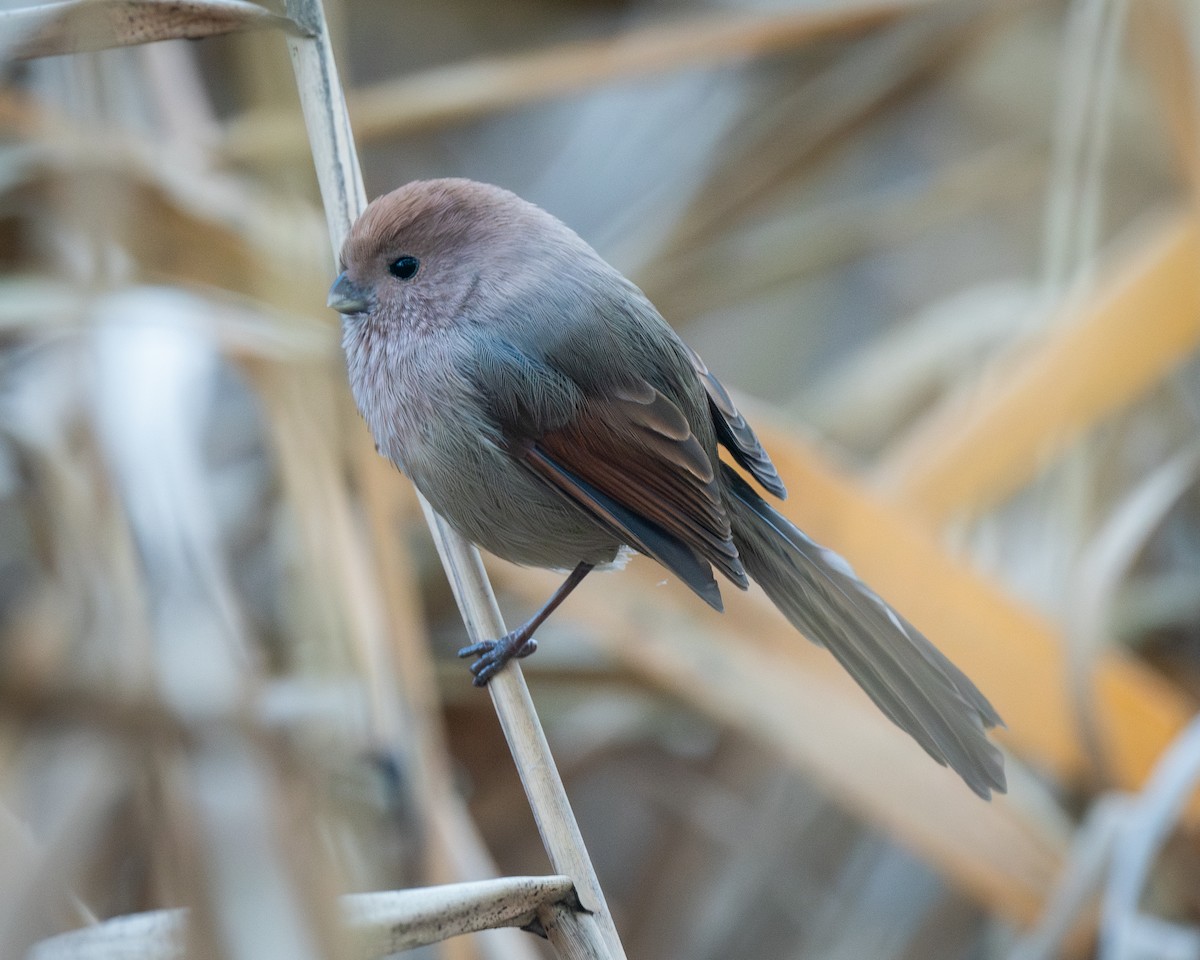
(545,409)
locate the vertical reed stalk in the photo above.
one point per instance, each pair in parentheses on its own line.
(344,197)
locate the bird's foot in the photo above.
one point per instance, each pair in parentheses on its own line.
(494,654)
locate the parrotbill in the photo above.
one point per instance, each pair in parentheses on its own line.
(540,403)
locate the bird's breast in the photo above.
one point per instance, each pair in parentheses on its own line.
(427,419)
(396,383)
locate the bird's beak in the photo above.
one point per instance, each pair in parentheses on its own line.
(346,297)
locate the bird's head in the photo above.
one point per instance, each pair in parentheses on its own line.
(423,254)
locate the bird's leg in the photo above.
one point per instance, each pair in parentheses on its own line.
(494,654)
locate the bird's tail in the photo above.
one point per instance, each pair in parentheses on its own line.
(907,676)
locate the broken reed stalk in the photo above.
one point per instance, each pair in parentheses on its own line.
(70,26)
(344,197)
(379,924)
(476,87)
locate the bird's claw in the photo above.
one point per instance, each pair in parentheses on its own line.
(494,654)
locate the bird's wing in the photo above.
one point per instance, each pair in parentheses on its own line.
(734,433)
(627,457)
(632,461)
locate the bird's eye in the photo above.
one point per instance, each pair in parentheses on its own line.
(404,268)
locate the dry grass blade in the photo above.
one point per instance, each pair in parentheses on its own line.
(867,400)
(1125,931)
(1106,561)
(832,103)
(979,448)
(1164,33)
(466,90)
(1068,921)
(73,26)
(1095,30)
(342,190)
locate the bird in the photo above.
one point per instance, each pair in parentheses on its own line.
(545,409)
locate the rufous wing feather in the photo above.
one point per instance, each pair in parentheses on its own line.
(631,459)
(734,433)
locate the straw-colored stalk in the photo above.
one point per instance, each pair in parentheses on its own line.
(344,197)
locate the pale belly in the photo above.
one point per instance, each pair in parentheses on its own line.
(422,418)
(499,505)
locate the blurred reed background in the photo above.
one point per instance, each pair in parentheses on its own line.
(948,252)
